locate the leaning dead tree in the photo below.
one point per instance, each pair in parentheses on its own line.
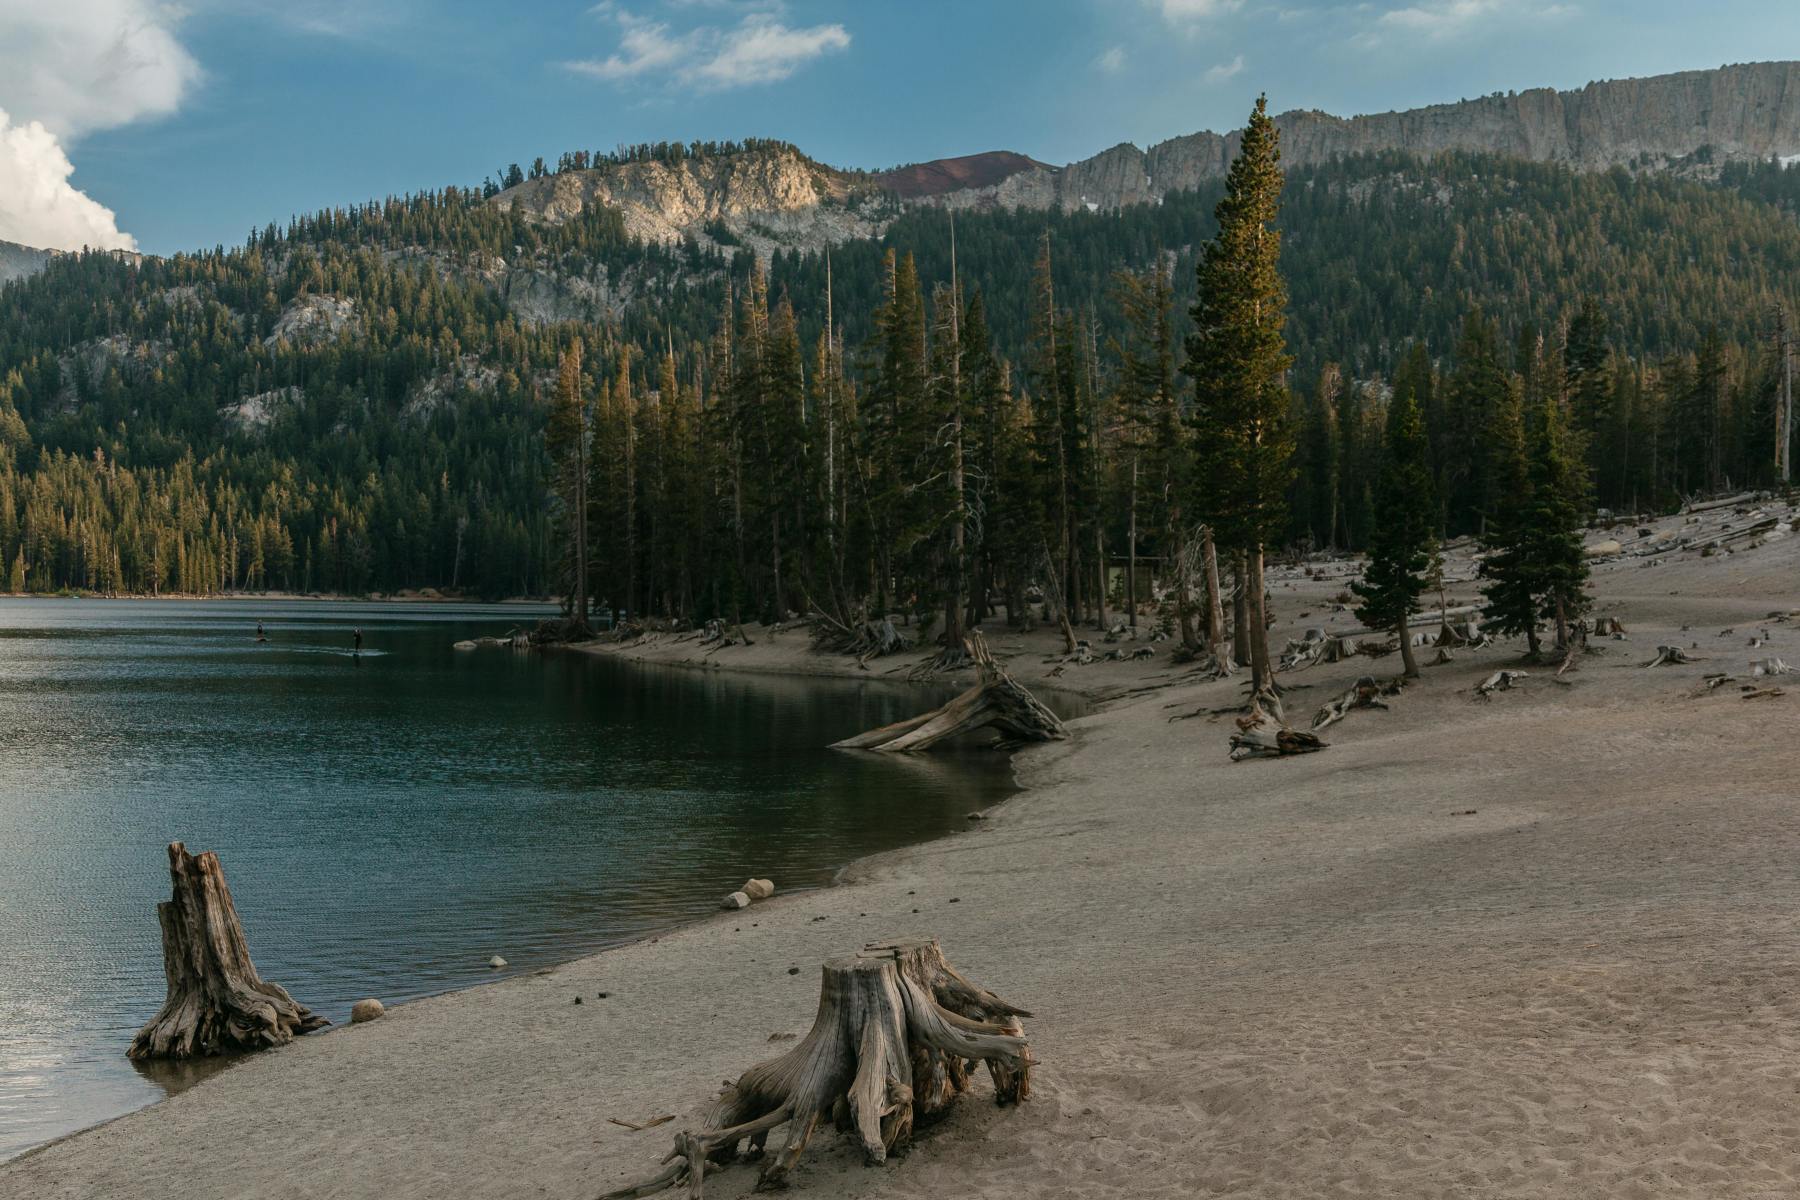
(878,1021)
(217,1004)
(997,699)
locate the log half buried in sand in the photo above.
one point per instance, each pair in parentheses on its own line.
(217,1004)
(854,1067)
(1262,742)
(997,700)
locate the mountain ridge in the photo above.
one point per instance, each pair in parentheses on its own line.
(1688,122)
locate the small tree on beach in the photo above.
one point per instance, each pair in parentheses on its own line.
(1400,549)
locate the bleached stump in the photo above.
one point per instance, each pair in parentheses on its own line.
(939,1078)
(217,1003)
(1499,681)
(855,1066)
(998,700)
(1670,655)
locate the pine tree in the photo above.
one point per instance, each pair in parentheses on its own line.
(1553,526)
(1237,358)
(1400,548)
(1512,572)
(566,438)
(16,584)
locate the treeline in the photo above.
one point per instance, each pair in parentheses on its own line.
(370,385)
(921,470)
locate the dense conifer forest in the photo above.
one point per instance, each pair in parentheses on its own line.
(935,423)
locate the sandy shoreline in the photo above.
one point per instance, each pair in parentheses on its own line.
(1319,976)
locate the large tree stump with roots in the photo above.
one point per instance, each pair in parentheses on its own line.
(997,700)
(875,1020)
(217,1003)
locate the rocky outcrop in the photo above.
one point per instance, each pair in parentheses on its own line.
(768,199)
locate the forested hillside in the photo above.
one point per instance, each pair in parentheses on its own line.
(359,401)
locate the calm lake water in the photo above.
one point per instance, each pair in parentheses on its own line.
(387,823)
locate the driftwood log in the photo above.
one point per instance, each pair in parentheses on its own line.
(217,1004)
(1366,692)
(1262,742)
(1499,681)
(997,700)
(875,1020)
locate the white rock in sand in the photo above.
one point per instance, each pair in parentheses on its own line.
(463,645)
(758,889)
(496,962)
(365,1010)
(735,900)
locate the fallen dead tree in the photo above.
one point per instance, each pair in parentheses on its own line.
(997,700)
(1279,742)
(1499,681)
(1364,693)
(216,1003)
(1769,666)
(876,1061)
(1671,656)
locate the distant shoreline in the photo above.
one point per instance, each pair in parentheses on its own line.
(285,597)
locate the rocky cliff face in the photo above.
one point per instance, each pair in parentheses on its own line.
(1692,122)
(16,261)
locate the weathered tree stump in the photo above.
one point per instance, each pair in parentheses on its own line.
(874,1021)
(939,1078)
(1668,655)
(997,700)
(1499,681)
(217,1004)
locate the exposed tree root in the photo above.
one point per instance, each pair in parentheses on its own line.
(1273,743)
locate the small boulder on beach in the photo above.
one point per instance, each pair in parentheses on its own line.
(735,900)
(758,889)
(365,1010)
(496,962)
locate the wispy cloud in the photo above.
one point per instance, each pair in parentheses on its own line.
(1111,60)
(759,49)
(1444,20)
(1224,71)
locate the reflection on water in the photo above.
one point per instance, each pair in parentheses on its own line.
(387,822)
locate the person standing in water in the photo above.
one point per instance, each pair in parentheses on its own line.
(260,636)
(356,635)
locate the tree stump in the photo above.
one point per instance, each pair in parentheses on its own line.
(998,700)
(854,1066)
(938,1079)
(217,1004)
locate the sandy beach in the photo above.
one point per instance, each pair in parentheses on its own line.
(1538,946)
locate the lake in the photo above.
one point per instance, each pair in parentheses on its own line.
(388,822)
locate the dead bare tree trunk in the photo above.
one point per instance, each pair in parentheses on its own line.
(217,1003)
(1215,607)
(1240,610)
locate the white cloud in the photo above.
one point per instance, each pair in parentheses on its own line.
(1112,61)
(70,67)
(1224,71)
(81,65)
(1442,20)
(1178,12)
(38,207)
(759,49)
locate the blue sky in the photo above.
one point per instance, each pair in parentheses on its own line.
(191,124)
